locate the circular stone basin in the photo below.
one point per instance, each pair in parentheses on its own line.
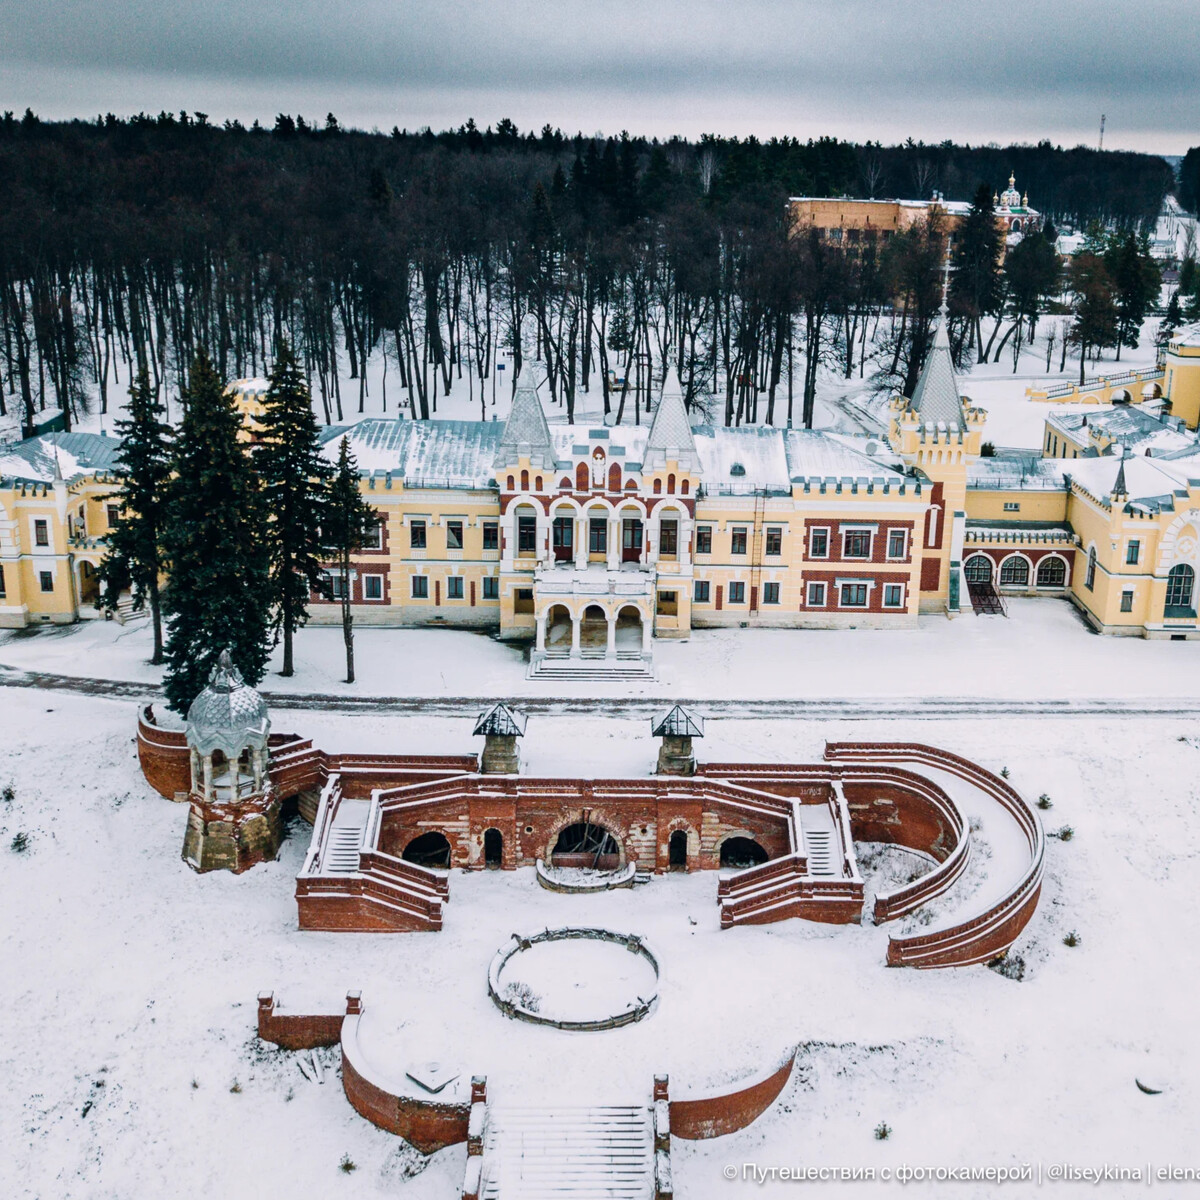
(575,978)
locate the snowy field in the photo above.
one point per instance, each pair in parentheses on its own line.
(1042,650)
(131,1069)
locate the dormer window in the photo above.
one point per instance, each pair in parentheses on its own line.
(737,470)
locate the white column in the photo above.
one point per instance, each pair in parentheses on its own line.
(611,650)
(614,542)
(648,629)
(576,624)
(581,541)
(540,644)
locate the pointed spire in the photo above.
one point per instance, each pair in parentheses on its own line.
(935,399)
(671,431)
(1120,488)
(526,432)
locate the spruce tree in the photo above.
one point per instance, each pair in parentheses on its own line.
(348,523)
(218,594)
(134,558)
(295,479)
(975,286)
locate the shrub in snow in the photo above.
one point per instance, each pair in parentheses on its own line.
(237,1088)
(1065,834)
(523,996)
(1044,801)
(1072,939)
(1011,966)
(1003,772)
(347,1165)
(8,795)
(20,843)
(882,1131)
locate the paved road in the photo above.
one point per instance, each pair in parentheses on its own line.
(860,708)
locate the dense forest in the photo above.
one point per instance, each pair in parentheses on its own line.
(139,242)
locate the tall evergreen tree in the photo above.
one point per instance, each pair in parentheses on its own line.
(218,594)
(348,523)
(295,479)
(974,287)
(134,557)
(1095,312)
(1136,280)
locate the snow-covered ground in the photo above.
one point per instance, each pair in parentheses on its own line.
(131,1069)
(1041,650)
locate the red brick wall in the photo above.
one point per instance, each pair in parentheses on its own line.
(297,1031)
(715,1116)
(878,543)
(855,575)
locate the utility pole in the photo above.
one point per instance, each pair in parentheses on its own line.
(1102,120)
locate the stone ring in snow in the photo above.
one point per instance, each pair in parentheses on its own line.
(579,979)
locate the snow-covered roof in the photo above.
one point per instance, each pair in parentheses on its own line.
(742,460)
(816,455)
(1020,473)
(36,459)
(526,431)
(618,441)
(1151,484)
(936,398)
(1132,426)
(671,431)
(501,720)
(1187,335)
(452,454)
(677,721)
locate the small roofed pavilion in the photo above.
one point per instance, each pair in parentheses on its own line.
(234,817)
(500,726)
(677,726)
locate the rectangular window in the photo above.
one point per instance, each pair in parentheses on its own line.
(856,543)
(703,539)
(527,535)
(738,541)
(372,587)
(113,512)
(818,543)
(1133,551)
(1127,601)
(700,592)
(668,604)
(523,601)
(491,535)
(41,534)
(816,595)
(454,587)
(420,587)
(893,595)
(337,587)
(770,593)
(373,536)
(47,580)
(668,538)
(774,541)
(416,535)
(597,535)
(3,591)
(854,595)
(737,593)
(454,535)
(491,587)
(1012,506)
(897,543)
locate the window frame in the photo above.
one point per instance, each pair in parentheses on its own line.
(597,535)
(455,530)
(816,587)
(367,581)
(738,540)
(856,532)
(418,535)
(704,536)
(846,584)
(41,531)
(45,577)
(419,587)
(770,592)
(455,588)
(491,535)
(888,590)
(526,533)
(491,587)
(821,531)
(773,542)
(1133,552)
(740,596)
(893,534)
(701,592)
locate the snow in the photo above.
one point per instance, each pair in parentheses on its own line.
(1041,651)
(126,969)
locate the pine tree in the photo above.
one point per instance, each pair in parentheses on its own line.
(1136,281)
(975,285)
(1172,319)
(295,479)
(134,557)
(1095,312)
(218,594)
(348,523)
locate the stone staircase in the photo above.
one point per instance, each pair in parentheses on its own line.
(345,837)
(598,669)
(598,1152)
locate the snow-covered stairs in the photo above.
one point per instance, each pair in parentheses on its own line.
(599,1152)
(821,844)
(345,837)
(599,670)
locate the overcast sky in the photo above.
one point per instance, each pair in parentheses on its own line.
(997,71)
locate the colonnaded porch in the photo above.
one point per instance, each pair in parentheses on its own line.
(593,620)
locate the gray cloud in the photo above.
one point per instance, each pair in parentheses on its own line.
(859,68)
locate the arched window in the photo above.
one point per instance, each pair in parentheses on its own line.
(428,850)
(658,487)
(614,477)
(742,852)
(978,569)
(685,487)
(1014,571)
(670,485)
(677,850)
(564,484)
(537,484)
(1089,580)
(524,481)
(1181,583)
(581,477)
(512,484)
(1052,572)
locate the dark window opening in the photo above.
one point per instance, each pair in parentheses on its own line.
(586,845)
(738,852)
(428,850)
(493,848)
(677,850)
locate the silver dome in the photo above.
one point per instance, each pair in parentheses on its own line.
(228,715)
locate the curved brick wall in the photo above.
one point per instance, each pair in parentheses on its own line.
(717,1115)
(163,754)
(989,934)
(427,1124)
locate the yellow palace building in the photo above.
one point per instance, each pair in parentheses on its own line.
(590,542)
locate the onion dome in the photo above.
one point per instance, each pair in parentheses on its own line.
(1010,197)
(228,715)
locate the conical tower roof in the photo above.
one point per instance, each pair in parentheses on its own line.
(935,399)
(526,431)
(228,715)
(671,431)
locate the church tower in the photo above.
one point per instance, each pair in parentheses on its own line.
(938,435)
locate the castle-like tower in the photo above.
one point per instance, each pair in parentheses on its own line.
(938,434)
